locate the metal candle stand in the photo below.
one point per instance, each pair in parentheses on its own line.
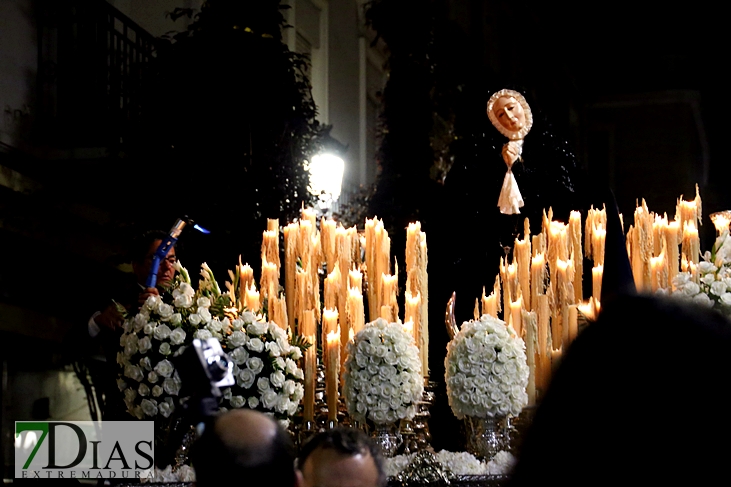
(416,431)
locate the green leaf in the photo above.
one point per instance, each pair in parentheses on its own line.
(301,342)
(120,309)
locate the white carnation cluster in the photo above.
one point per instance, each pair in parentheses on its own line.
(383,378)
(156,334)
(148,379)
(265,367)
(182,473)
(486,370)
(711,286)
(458,463)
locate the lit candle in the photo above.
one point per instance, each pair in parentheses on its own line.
(290,270)
(302,293)
(383,263)
(643,228)
(327,240)
(412,245)
(543,364)
(559,320)
(389,286)
(370,258)
(587,310)
(659,227)
(555,360)
(538,244)
(331,288)
(538,279)
(507,298)
(659,272)
(573,322)
(309,330)
(496,291)
(278,311)
(356,317)
(424,315)
(343,244)
(246,277)
(304,243)
(417,284)
(672,231)
(721,221)
(409,327)
(355,279)
(596,306)
(489,304)
(576,253)
(309,215)
(329,322)
(269,280)
(693,269)
(412,313)
(689,211)
(531,344)
(596,278)
(387,313)
(600,237)
(270,248)
(516,308)
(332,374)
(523,262)
(558,241)
(283,319)
(313,273)
(691,243)
(252,299)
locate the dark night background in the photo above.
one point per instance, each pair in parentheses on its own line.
(634,88)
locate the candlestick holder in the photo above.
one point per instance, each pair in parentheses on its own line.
(421,438)
(306,430)
(515,428)
(343,417)
(321,411)
(409,443)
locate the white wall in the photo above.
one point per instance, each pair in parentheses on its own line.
(346,74)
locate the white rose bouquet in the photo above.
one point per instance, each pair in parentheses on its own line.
(712,285)
(383,378)
(265,367)
(159,332)
(486,370)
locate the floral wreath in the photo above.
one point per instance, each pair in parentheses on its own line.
(526,109)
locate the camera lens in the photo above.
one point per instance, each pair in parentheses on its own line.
(217,367)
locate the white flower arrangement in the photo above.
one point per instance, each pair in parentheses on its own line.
(268,378)
(486,370)
(458,463)
(261,351)
(383,378)
(711,286)
(156,334)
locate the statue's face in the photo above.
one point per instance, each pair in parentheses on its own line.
(509,113)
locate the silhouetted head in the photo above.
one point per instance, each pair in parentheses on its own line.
(244,447)
(639,395)
(341,457)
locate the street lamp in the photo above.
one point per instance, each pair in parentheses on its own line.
(326,170)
